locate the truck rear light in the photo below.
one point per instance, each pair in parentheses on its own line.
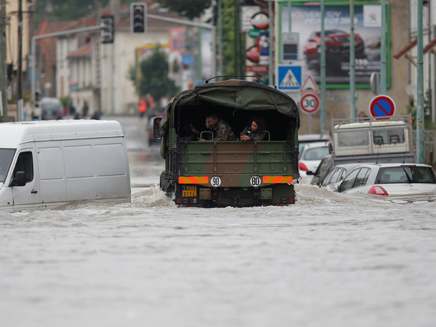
(302,166)
(377,190)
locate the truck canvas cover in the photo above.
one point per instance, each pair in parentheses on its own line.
(230,98)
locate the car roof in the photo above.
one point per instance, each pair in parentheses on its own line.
(387,165)
(314,137)
(324,144)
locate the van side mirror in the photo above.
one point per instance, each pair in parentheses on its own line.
(19,180)
(156,131)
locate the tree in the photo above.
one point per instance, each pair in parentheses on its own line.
(188,8)
(154,76)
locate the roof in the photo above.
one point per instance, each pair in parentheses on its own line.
(385,123)
(48,45)
(49,130)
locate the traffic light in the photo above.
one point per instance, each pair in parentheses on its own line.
(37,98)
(138,17)
(107,33)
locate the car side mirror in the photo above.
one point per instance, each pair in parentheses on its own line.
(19,180)
(310,173)
(156,131)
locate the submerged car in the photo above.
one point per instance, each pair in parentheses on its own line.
(309,160)
(390,179)
(336,175)
(337,46)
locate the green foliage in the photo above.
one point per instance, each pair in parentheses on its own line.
(412,109)
(65,101)
(229,44)
(188,8)
(154,76)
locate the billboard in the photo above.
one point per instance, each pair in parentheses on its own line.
(306,21)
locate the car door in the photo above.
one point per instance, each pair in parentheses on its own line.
(27,195)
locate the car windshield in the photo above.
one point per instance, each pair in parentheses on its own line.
(50,106)
(405,174)
(316,153)
(6,156)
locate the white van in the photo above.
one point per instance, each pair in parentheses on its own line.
(46,164)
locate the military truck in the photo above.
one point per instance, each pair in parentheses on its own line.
(230,173)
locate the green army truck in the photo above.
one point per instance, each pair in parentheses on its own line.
(230,173)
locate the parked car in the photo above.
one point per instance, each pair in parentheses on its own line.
(310,158)
(312,138)
(337,46)
(336,175)
(51,108)
(390,179)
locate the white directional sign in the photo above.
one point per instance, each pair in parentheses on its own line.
(309,103)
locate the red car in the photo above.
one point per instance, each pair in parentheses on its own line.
(337,46)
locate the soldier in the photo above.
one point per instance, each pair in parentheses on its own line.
(220,127)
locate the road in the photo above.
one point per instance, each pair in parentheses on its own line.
(328,260)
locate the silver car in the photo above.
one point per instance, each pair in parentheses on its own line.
(337,174)
(309,159)
(394,179)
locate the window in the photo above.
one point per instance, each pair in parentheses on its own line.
(362,177)
(25,163)
(348,182)
(353,138)
(316,153)
(327,179)
(337,175)
(389,136)
(6,156)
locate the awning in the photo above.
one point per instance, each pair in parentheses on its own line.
(405,50)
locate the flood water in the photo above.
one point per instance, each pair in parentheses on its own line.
(328,260)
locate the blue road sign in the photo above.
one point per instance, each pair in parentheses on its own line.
(382,107)
(289,77)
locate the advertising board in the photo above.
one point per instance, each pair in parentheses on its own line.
(306,20)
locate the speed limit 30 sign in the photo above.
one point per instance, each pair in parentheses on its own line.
(309,103)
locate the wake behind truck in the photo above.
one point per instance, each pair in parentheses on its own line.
(230,173)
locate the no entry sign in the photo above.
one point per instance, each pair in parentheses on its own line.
(309,103)
(382,107)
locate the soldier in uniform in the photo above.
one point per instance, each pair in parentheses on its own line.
(220,128)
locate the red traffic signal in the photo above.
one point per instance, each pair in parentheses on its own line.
(138,17)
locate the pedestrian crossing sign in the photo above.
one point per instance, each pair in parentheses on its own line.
(289,77)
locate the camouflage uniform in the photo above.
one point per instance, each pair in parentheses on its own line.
(223,131)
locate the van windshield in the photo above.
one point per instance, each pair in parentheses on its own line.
(6,156)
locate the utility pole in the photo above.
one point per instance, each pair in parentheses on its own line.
(383,48)
(352,64)
(420,155)
(20,61)
(3,105)
(270,44)
(220,45)
(323,93)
